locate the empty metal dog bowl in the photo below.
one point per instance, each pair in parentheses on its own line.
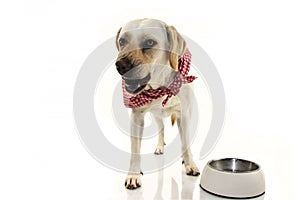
(233,178)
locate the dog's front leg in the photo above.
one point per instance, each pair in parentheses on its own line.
(190,166)
(133,180)
(160,145)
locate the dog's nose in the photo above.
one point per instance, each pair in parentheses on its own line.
(124,65)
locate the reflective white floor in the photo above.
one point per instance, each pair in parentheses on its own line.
(170,183)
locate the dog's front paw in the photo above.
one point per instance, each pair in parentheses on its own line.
(133,182)
(192,170)
(159,150)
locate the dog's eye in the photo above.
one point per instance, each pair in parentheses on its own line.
(122,42)
(149,43)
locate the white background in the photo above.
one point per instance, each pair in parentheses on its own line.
(254,44)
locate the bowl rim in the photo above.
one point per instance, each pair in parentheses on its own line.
(232,172)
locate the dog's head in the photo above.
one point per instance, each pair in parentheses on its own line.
(149,51)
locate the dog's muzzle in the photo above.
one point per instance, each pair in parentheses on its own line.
(134,86)
(123,66)
(135,77)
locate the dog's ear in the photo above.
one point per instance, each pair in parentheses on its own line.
(117,38)
(177,46)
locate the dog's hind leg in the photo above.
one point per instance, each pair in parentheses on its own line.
(160,145)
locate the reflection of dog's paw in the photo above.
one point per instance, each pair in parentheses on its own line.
(192,170)
(133,182)
(159,150)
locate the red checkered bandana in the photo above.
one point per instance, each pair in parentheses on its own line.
(147,96)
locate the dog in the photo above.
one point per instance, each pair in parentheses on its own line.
(148,60)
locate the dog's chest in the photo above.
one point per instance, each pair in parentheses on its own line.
(155,107)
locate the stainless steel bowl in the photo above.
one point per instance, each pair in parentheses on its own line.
(234,165)
(233,178)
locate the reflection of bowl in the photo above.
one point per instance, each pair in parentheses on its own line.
(233,178)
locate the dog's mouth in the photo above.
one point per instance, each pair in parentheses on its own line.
(134,86)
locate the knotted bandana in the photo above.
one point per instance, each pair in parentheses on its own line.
(147,96)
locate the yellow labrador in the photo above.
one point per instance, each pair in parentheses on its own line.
(149,52)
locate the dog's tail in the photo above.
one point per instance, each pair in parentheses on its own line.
(173,119)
